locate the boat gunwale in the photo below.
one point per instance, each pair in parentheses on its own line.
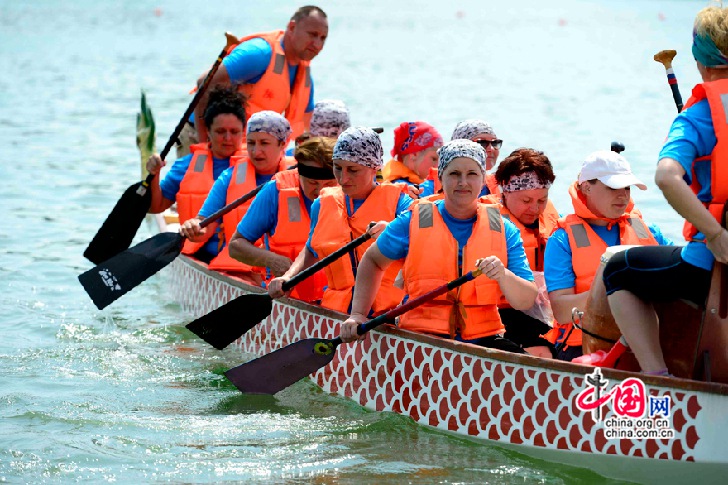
(470,349)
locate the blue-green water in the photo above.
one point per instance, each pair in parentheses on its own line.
(127,395)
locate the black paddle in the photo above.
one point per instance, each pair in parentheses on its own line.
(227,323)
(121,225)
(276,371)
(110,280)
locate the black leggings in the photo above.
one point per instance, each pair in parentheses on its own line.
(657,274)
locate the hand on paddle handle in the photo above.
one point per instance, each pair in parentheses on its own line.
(492,267)
(376,228)
(155,164)
(348,329)
(275,287)
(718,245)
(414,191)
(191,230)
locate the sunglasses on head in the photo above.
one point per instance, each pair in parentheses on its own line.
(495,143)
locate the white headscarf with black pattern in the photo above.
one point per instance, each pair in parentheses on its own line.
(269,122)
(359,145)
(460,148)
(469,129)
(330,117)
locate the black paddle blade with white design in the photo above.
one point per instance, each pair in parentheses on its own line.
(110,280)
(227,323)
(122,224)
(275,371)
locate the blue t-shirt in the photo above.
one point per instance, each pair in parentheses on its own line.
(247,63)
(169,186)
(393,242)
(692,136)
(558,270)
(402,205)
(262,215)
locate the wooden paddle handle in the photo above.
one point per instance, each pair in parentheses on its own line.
(326,261)
(665,58)
(232,205)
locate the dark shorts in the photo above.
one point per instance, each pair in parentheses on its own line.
(657,274)
(568,354)
(523,329)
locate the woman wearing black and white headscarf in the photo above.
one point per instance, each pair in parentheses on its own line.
(343,213)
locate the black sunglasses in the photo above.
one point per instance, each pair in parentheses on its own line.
(485,143)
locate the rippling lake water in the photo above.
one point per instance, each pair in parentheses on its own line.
(128,394)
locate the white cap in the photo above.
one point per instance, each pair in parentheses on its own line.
(611,169)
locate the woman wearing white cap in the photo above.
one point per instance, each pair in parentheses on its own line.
(693,176)
(267,134)
(604,215)
(343,213)
(462,232)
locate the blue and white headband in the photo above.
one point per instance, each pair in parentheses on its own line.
(469,129)
(460,148)
(359,145)
(330,117)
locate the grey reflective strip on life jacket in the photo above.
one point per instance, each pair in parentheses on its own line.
(494,219)
(308,76)
(200,163)
(241,173)
(425,215)
(279,64)
(294,209)
(580,237)
(724,102)
(639,227)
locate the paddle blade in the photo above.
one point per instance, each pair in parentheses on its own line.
(275,371)
(227,323)
(110,280)
(120,227)
(146,133)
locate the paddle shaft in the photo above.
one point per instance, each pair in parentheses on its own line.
(232,205)
(193,104)
(665,58)
(326,261)
(363,328)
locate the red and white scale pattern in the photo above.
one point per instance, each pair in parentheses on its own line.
(471,395)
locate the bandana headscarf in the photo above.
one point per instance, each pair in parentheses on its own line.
(460,148)
(330,117)
(524,181)
(413,137)
(707,53)
(269,122)
(469,129)
(359,145)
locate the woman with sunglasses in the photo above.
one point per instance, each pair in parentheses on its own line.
(482,133)
(345,212)
(524,178)
(462,232)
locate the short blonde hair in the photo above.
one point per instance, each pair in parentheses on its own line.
(317,150)
(713,22)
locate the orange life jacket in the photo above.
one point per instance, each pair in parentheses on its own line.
(587,248)
(195,186)
(273,90)
(335,228)
(534,242)
(470,310)
(242,181)
(714,92)
(396,170)
(292,227)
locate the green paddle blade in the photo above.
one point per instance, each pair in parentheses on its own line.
(112,279)
(227,323)
(146,133)
(275,371)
